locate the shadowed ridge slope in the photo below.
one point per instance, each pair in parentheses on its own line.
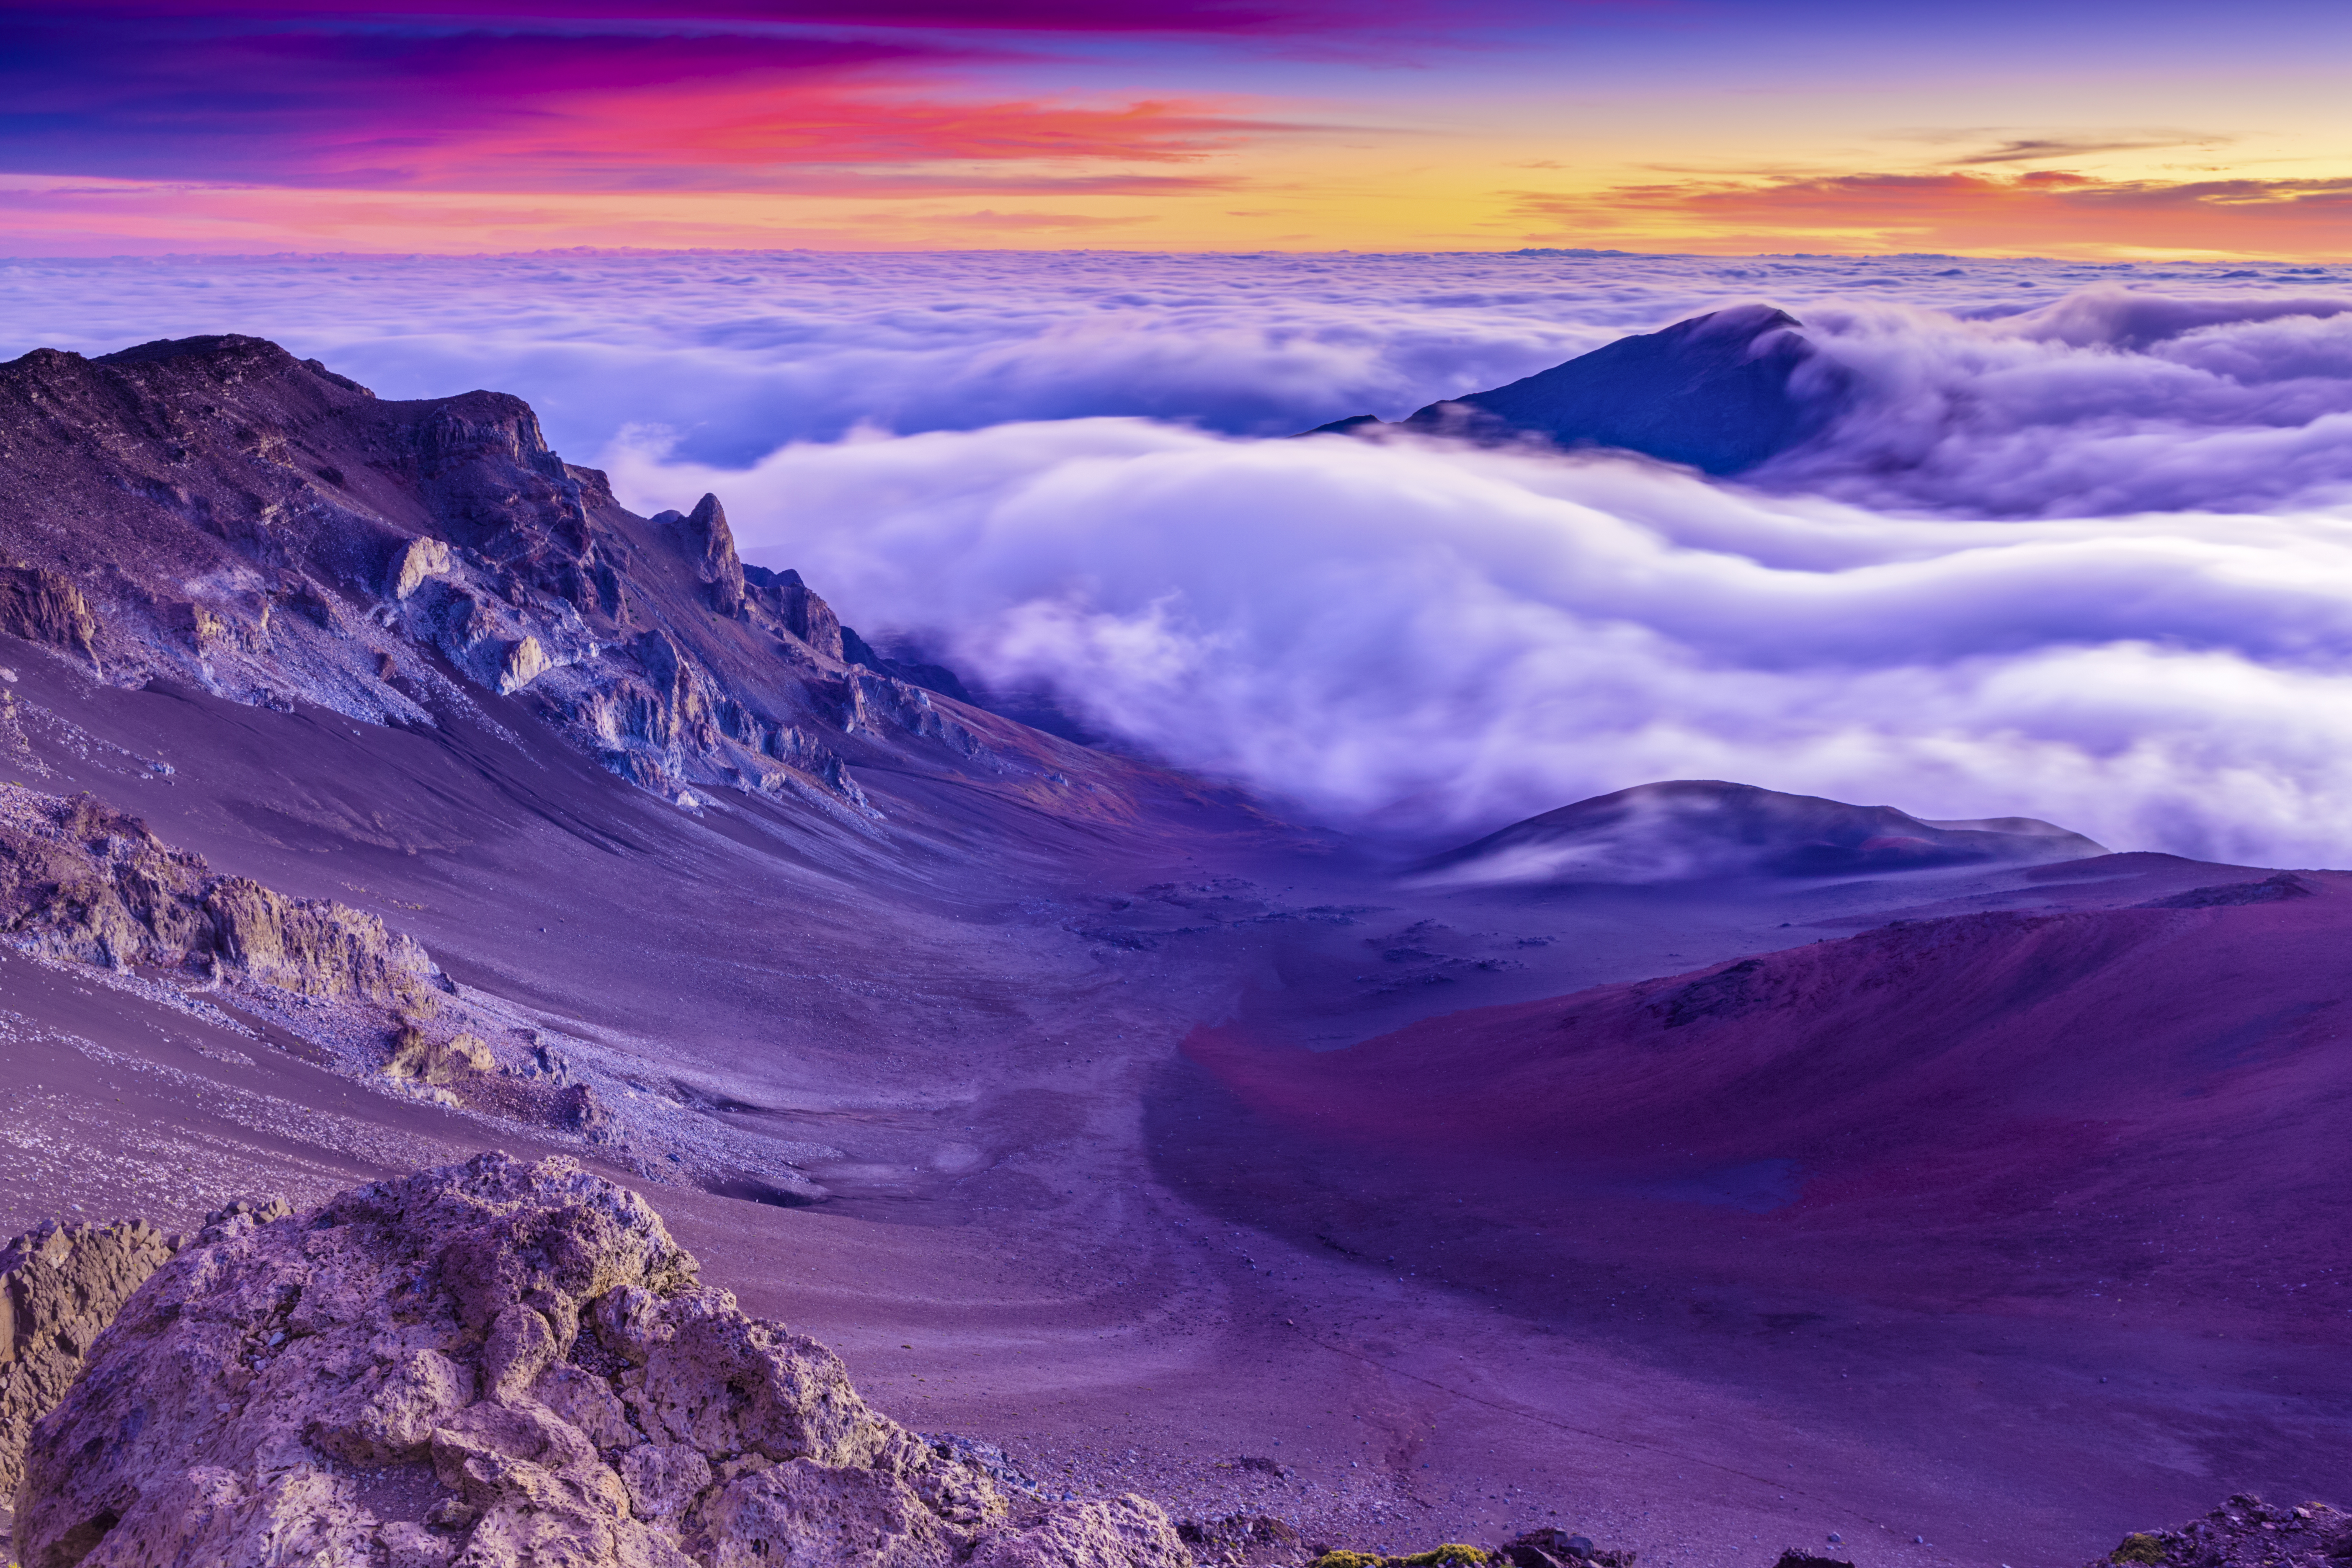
(1720,393)
(1691,829)
(2068,1113)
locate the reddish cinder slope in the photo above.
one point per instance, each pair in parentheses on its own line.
(2138,1110)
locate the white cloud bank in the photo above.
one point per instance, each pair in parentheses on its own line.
(1442,641)
(2081,547)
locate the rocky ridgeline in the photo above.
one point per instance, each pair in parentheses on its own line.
(79,881)
(500,1363)
(216,512)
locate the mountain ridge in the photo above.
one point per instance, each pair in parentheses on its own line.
(1689,829)
(215,510)
(1721,393)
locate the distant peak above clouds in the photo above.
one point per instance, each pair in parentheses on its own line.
(1696,829)
(1720,393)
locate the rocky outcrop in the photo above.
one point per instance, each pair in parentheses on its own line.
(44,607)
(712,542)
(416,561)
(1242,1541)
(79,881)
(797,610)
(214,513)
(501,1364)
(415,1055)
(2244,1533)
(59,1287)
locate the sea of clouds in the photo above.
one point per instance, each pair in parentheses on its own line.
(2081,546)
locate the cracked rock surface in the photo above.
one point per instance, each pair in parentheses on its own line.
(501,1364)
(60,1285)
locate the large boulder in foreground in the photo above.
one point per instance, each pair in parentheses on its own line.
(500,1363)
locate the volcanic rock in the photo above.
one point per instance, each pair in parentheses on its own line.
(79,881)
(2244,1533)
(2269,890)
(711,543)
(59,1287)
(212,512)
(415,1055)
(500,1363)
(1688,829)
(42,607)
(1721,393)
(1239,1539)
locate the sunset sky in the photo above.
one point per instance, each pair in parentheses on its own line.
(2092,129)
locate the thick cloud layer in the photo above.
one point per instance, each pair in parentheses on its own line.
(2080,546)
(740,353)
(2107,400)
(1441,641)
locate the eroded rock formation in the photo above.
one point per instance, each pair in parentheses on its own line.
(80,880)
(216,512)
(2244,1533)
(501,1364)
(59,1287)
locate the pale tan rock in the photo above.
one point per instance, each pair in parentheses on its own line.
(407,1544)
(45,606)
(418,560)
(534,1333)
(525,662)
(86,882)
(415,1055)
(664,1478)
(388,1417)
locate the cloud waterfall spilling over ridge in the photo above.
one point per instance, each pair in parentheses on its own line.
(2094,565)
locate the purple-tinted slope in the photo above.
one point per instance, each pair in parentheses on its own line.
(2039,1113)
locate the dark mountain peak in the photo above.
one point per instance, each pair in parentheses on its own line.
(1721,393)
(167,364)
(711,544)
(217,343)
(1692,829)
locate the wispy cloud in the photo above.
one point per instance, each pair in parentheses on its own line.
(437,105)
(1018,221)
(2043,211)
(1998,144)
